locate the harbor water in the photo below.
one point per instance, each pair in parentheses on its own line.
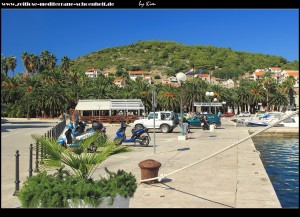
(280,157)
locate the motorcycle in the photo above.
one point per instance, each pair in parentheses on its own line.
(71,137)
(204,124)
(137,136)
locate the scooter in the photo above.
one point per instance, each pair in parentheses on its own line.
(71,137)
(135,138)
(204,124)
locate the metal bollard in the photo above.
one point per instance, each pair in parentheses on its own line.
(30,160)
(52,132)
(36,170)
(17,174)
(42,153)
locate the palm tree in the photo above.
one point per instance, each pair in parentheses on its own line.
(242,97)
(256,93)
(12,63)
(278,100)
(267,81)
(169,97)
(288,86)
(25,60)
(4,66)
(45,60)
(194,92)
(82,163)
(142,90)
(9,90)
(65,65)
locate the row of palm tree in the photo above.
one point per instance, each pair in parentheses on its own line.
(45,87)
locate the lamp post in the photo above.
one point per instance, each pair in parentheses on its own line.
(181,77)
(215,100)
(223,104)
(209,94)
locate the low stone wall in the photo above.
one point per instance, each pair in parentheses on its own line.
(285,132)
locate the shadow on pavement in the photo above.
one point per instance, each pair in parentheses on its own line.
(10,127)
(30,122)
(171,188)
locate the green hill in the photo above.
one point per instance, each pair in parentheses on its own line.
(168,58)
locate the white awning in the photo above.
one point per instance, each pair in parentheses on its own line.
(86,105)
(110,104)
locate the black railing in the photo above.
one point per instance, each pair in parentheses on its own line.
(40,153)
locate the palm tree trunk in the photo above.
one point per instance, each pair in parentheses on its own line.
(28,113)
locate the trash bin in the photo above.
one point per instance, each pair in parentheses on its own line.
(212,128)
(149,169)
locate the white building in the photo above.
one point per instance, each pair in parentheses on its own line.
(92,73)
(140,74)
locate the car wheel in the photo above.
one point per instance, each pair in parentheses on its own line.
(164,128)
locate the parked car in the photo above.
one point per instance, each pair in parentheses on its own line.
(245,114)
(227,114)
(166,121)
(212,119)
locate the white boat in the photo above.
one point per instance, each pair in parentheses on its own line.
(291,122)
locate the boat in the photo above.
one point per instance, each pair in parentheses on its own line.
(291,122)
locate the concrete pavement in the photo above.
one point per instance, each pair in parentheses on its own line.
(16,135)
(235,178)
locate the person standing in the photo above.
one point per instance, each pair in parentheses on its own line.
(219,113)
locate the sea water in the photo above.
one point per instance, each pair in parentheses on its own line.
(280,157)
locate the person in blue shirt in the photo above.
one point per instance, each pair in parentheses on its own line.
(219,113)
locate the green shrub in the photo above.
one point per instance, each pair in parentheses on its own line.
(45,190)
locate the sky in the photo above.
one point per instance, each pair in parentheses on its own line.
(77,32)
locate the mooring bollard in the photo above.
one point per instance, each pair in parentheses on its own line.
(30,160)
(149,169)
(36,170)
(17,173)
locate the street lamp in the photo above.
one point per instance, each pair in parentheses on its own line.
(181,77)
(209,94)
(223,104)
(215,100)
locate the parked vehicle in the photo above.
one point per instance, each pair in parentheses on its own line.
(211,119)
(70,137)
(166,121)
(227,115)
(245,114)
(137,136)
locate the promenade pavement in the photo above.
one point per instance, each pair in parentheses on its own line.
(16,135)
(235,178)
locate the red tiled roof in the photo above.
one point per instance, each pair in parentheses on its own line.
(293,73)
(118,80)
(259,73)
(203,75)
(92,70)
(275,68)
(138,73)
